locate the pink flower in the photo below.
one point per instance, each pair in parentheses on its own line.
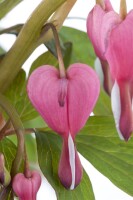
(120,58)
(65,104)
(26,188)
(100,22)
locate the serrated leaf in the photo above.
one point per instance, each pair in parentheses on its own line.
(17,94)
(82,50)
(99,143)
(49,149)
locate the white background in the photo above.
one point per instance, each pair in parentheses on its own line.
(103,188)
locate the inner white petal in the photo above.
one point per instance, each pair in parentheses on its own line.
(71,149)
(99,70)
(116,107)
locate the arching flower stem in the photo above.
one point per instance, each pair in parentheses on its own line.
(18,127)
(58,48)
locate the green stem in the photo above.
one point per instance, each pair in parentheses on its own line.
(27,171)
(57,20)
(3,130)
(18,126)
(26,131)
(26,41)
(58,48)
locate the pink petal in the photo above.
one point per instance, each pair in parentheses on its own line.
(70,168)
(120,50)
(65,104)
(122,108)
(83,91)
(62,91)
(36,183)
(43,89)
(99,25)
(24,192)
(110,20)
(79,93)
(108,6)
(107,79)
(26,188)
(94,22)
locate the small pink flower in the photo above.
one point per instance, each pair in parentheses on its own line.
(120,58)
(65,104)
(26,188)
(100,22)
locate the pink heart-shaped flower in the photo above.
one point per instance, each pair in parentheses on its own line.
(65,104)
(80,90)
(27,188)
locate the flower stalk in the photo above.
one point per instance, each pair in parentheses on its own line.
(27,171)
(123,9)
(3,130)
(27,41)
(58,48)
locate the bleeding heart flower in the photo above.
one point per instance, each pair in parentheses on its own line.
(100,22)
(27,188)
(120,58)
(65,104)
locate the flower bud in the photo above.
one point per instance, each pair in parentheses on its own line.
(27,188)
(5,177)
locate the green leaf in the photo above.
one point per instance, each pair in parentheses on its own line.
(9,151)
(99,143)
(6,6)
(82,50)
(37,122)
(44,59)
(66,49)
(103,105)
(49,149)
(49,57)
(1,56)
(27,41)
(31,148)
(2,52)
(12,30)
(17,94)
